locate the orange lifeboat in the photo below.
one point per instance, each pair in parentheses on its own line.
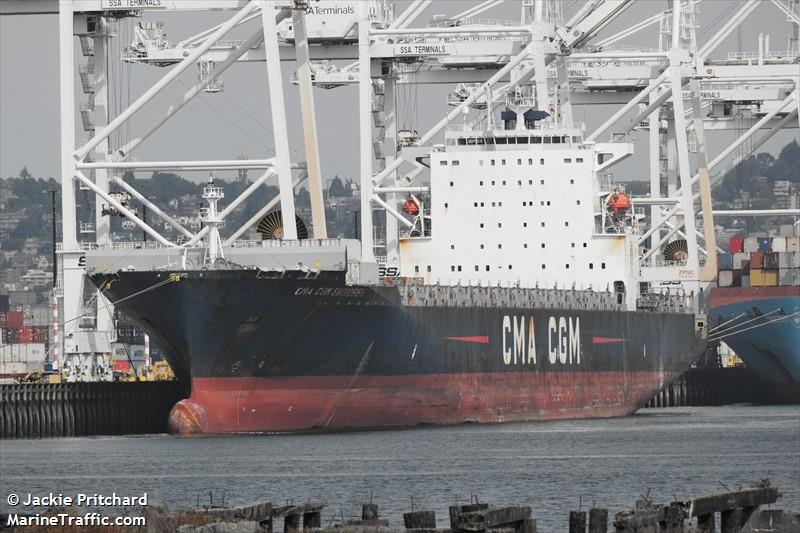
(411,207)
(619,201)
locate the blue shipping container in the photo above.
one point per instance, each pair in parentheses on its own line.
(764,244)
(725,261)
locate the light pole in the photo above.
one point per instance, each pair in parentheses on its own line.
(55,262)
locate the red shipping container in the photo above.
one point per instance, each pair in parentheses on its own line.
(122,366)
(756,260)
(14,319)
(737,245)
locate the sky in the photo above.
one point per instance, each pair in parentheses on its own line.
(237,121)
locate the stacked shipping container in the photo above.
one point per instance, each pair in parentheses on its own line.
(24,341)
(761,261)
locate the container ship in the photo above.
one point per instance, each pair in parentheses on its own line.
(517,295)
(756,308)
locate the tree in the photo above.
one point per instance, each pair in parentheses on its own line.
(24,174)
(336,188)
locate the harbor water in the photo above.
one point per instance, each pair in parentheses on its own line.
(552,466)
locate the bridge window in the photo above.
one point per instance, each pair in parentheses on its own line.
(455,162)
(443,163)
(541,161)
(522,140)
(416,268)
(591,266)
(579,160)
(429,268)
(567,160)
(603,266)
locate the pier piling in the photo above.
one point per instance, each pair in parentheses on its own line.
(598,520)
(577,522)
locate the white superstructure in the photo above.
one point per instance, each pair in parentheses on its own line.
(517,206)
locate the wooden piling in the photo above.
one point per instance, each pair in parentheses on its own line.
(369,511)
(291,523)
(730,521)
(420,520)
(707,523)
(312,520)
(598,520)
(577,522)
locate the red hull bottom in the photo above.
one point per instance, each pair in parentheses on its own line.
(235,405)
